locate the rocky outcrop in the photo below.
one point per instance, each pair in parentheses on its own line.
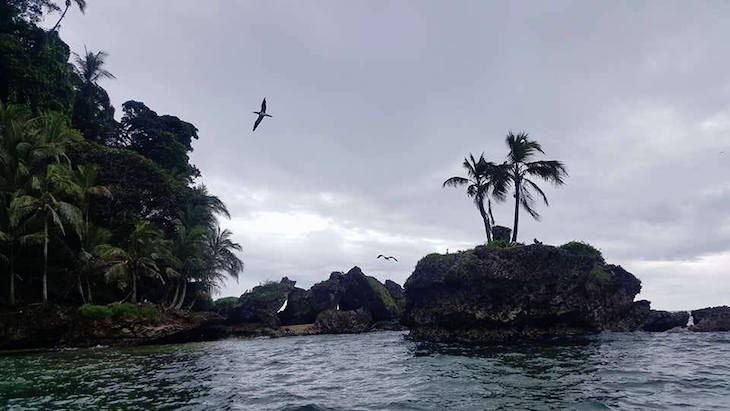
(50,326)
(343,322)
(303,306)
(642,318)
(492,294)
(711,319)
(261,304)
(361,291)
(346,292)
(395,290)
(501,233)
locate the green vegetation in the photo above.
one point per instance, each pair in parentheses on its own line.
(97,312)
(498,244)
(486,180)
(267,291)
(225,302)
(95,210)
(383,295)
(583,248)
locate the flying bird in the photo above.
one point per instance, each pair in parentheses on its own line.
(388,257)
(261,114)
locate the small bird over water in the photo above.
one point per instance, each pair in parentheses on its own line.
(261,114)
(387,258)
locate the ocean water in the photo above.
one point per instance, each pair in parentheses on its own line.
(378,371)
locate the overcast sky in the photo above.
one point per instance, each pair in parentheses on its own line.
(376,103)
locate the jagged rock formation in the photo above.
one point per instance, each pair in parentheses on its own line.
(343,322)
(711,319)
(350,292)
(642,318)
(492,294)
(395,290)
(261,304)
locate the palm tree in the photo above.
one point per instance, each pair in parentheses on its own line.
(90,67)
(139,256)
(16,126)
(222,260)
(86,180)
(80,3)
(44,202)
(521,170)
(188,260)
(89,262)
(484,180)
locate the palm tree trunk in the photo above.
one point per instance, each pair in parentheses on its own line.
(182,297)
(81,288)
(485,218)
(68,4)
(11,298)
(88,290)
(517,211)
(174,297)
(134,288)
(45,260)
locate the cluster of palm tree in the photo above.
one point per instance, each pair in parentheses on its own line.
(486,180)
(43,198)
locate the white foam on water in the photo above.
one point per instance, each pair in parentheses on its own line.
(690,320)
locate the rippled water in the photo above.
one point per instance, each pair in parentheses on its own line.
(378,371)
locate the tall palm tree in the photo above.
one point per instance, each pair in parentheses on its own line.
(484,180)
(86,180)
(522,170)
(16,126)
(138,257)
(89,262)
(43,201)
(222,259)
(80,3)
(90,67)
(188,260)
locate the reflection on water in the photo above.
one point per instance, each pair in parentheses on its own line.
(379,371)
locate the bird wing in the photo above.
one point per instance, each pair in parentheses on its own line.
(394,259)
(256,124)
(263,106)
(380,256)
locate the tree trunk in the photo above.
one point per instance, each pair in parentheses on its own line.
(45,260)
(81,288)
(88,290)
(517,211)
(11,298)
(174,296)
(61,18)
(485,218)
(134,288)
(182,297)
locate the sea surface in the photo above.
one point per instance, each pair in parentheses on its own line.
(378,371)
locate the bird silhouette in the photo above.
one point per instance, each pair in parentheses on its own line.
(261,113)
(388,257)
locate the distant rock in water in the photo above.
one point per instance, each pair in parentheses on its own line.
(643,318)
(493,294)
(711,319)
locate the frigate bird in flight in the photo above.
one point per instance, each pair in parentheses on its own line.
(261,114)
(388,257)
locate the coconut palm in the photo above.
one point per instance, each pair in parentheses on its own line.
(522,171)
(86,180)
(138,257)
(188,260)
(89,262)
(222,259)
(43,202)
(484,180)
(80,3)
(90,67)
(16,125)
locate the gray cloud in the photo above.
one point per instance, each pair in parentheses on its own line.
(376,103)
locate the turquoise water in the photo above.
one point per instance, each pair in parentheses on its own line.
(378,371)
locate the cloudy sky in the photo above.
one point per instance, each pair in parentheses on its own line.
(376,103)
